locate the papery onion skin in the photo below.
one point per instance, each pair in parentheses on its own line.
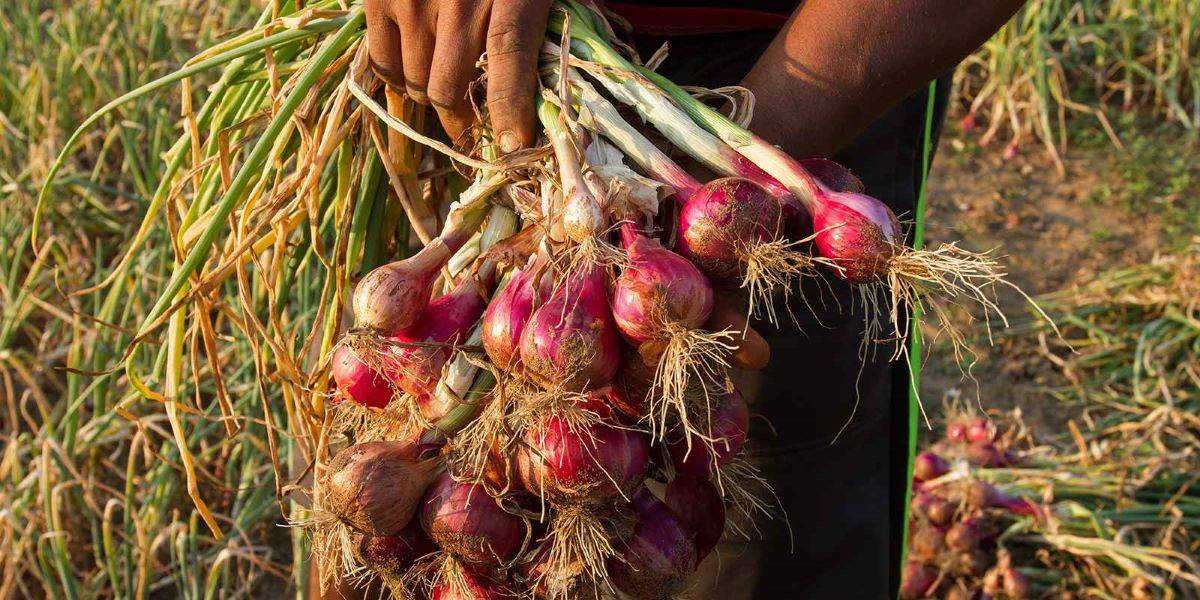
(938,510)
(392,555)
(357,382)
(928,466)
(967,535)
(659,556)
(927,543)
(570,342)
(583,464)
(722,220)
(730,421)
(631,386)
(376,487)
(467,523)
(981,494)
(658,287)
(392,297)
(917,580)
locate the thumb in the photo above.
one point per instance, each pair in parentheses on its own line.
(751,351)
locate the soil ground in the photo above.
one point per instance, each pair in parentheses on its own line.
(1112,208)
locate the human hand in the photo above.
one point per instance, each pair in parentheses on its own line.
(429,48)
(751,351)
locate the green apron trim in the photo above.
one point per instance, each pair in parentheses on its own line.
(914,350)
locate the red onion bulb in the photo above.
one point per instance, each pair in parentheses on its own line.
(415,363)
(722,220)
(656,560)
(571,342)
(582,464)
(506,317)
(857,232)
(468,523)
(730,420)
(358,382)
(698,504)
(657,288)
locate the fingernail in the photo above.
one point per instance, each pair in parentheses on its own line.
(508,142)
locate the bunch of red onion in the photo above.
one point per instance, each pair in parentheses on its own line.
(955,519)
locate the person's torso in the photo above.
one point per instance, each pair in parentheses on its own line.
(682,17)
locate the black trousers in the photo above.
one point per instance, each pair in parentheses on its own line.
(843,493)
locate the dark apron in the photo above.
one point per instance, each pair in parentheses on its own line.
(844,495)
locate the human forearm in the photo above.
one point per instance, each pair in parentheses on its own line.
(839,64)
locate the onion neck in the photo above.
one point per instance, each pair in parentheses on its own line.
(629,234)
(661,110)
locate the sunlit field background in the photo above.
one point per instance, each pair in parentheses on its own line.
(1071,148)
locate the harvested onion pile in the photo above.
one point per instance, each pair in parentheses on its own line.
(986,523)
(547,351)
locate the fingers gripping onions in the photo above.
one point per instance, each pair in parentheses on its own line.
(594,350)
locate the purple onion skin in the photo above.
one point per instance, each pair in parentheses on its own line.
(658,557)
(358,382)
(447,320)
(927,543)
(571,342)
(722,219)
(476,586)
(698,504)
(582,466)
(394,554)
(466,522)
(936,509)
(796,220)
(859,233)
(917,581)
(730,421)
(928,466)
(658,287)
(506,317)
